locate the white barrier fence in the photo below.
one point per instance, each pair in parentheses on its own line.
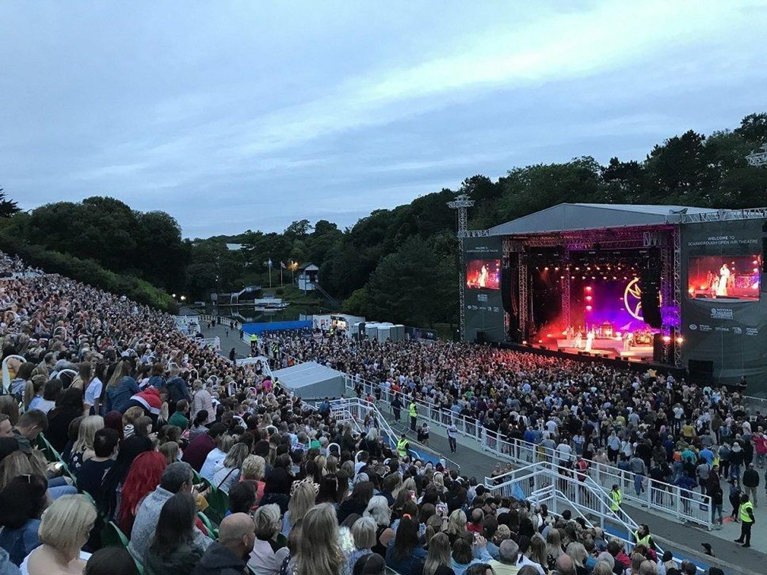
(665,498)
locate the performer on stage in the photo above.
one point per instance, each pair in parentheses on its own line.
(627,341)
(724,277)
(579,340)
(482,280)
(589,340)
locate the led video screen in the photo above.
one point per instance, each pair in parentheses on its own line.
(483,274)
(724,277)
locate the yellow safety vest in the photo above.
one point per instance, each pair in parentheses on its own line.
(413,410)
(617,498)
(643,540)
(402,447)
(744,516)
(253,337)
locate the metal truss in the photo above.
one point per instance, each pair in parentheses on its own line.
(462,204)
(677,291)
(524,297)
(718,216)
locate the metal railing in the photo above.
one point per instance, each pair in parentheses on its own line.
(360,409)
(562,488)
(640,490)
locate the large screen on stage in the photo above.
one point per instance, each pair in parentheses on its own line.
(736,278)
(483,274)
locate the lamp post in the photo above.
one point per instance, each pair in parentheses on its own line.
(269,265)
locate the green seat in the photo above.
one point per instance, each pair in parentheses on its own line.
(112,536)
(218,504)
(212,531)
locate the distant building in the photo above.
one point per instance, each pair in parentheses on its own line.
(234,247)
(308,277)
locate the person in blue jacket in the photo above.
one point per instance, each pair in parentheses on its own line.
(119,394)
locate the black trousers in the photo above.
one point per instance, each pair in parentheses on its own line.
(745,532)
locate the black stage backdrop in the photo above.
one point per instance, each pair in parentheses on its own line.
(483,303)
(724,304)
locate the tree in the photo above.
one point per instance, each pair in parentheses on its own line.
(412,286)
(753,129)
(7,207)
(681,170)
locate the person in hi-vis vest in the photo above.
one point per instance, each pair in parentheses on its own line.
(402,446)
(616,498)
(746,515)
(413,411)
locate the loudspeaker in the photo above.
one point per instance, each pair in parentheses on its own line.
(509,288)
(649,281)
(701,371)
(657,348)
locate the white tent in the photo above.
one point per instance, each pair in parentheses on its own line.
(311,380)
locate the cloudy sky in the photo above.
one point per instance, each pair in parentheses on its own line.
(237,115)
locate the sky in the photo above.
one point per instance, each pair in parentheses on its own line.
(251,115)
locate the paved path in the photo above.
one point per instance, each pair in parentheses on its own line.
(684,540)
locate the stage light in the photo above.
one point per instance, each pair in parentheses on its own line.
(588,308)
(679,340)
(588,298)
(666,339)
(546,269)
(556,269)
(588,288)
(615,278)
(524,342)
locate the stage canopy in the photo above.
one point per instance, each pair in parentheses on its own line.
(311,380)
(570,217)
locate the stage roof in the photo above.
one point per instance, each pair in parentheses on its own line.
(573,217)
(311,380)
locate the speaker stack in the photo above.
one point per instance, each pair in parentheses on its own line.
(649,281)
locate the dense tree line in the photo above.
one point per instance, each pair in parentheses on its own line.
(400,264)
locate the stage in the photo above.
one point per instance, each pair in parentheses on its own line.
(611,348)
(678,286)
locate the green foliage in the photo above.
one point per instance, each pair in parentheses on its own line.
(412,285)
(88,271)
(7,207)
(147,245)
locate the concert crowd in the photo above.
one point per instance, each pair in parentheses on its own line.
(126,445)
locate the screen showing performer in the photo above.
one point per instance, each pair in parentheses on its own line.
(731,277)
(483,274)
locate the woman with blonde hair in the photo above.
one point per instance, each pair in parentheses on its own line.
(364,536)
(270,547)
(577,552)
(21,463)
(82,450)
(318,551)
(378,509)
(253,469)
(171,451)
(439,554)
(229,474)
(537,551)
(456,525)
(64,529)
(302,497)
(553,545)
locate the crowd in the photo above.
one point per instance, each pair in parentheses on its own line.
(699,438)
(150,431)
